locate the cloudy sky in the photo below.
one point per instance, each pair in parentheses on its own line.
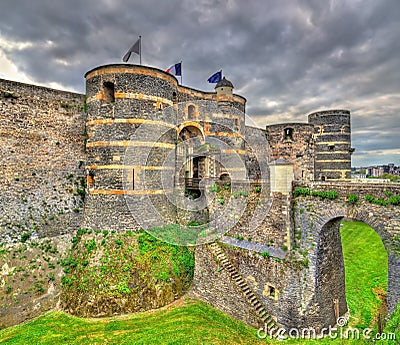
(287,57)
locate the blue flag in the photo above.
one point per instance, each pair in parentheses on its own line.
(215,78)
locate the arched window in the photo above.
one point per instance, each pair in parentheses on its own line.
(108,91)
(191,110)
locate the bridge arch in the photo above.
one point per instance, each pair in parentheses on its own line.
(329,256)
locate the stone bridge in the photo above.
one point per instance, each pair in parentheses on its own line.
(316,231)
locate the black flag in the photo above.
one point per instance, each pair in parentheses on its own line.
(134,49)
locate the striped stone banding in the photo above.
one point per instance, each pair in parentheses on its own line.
(130,143)
(336,170)
(332,152)
(134,121)
(129,95)
(225,116)
(332,160)
(129,192)
(139,167)
(224,134)
(239,152)
(333,142)
(331,133)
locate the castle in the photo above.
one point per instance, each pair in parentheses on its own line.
(150,152)
(122,99)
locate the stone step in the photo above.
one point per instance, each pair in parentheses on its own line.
(250,296)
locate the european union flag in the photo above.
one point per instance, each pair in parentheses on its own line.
(215,78)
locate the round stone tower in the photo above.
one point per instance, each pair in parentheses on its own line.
(332,144)
(227,126)
(130,136)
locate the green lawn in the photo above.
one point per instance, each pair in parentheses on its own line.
(194,322)
(366,265)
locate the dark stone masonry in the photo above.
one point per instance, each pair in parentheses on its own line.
(141,151)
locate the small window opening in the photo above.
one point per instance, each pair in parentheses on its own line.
(323,178)
(288,133)
(271,291)
(331,147)
(90,179)
(191,112)
(109,92)
(174,96)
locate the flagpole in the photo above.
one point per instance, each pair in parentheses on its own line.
(181,73)
(140,49)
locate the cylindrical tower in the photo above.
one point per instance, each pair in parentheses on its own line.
(332,145)
(129,137)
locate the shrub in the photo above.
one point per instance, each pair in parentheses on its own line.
(352,198)
(369,198)
(388,193)
(265,254)
(301,192)
(214,188)
(258,189)
(240,238)
(193,223)
(394,200)
(25,236)
(90,245)
(380,201)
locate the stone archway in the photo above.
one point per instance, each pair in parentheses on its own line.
(329,255)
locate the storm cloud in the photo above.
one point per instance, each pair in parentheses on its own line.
(287,57)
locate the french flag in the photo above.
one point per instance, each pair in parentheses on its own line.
(175,69)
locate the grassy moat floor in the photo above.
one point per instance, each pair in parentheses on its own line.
(189,321)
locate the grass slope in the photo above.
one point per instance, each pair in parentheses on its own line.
(366,265)
(194,322)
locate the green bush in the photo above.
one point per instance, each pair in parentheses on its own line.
(266,254)
(25,236)
(301,192)
(377,201)
(258,189)
(369,198)
(214,188)
(394,200)
(352,198)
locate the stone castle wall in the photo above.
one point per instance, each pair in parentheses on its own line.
(294,142)
(42,160)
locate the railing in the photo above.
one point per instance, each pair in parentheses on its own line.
(192,183)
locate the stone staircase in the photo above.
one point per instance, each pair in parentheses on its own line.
(244,287)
